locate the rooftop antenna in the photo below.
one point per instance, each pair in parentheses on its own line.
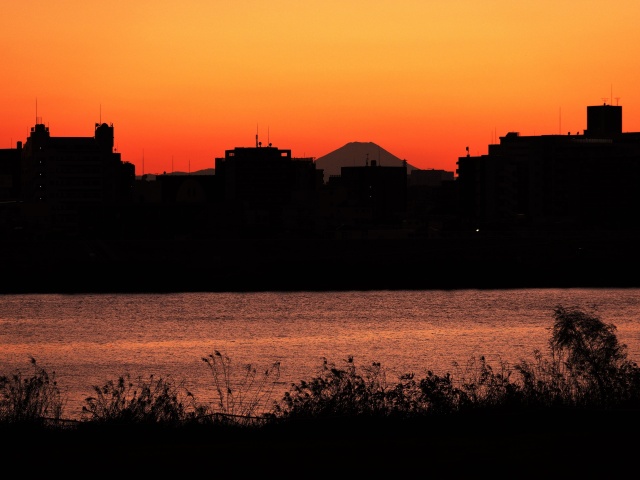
(268,142)
(604,100)
(256,135)
(617,99)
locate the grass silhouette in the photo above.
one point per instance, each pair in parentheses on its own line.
(565,408)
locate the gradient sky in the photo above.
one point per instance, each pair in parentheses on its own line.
(183,81)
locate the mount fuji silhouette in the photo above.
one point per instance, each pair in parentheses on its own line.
(356,154)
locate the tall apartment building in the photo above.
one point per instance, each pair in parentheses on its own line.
(10,173)
(265,188)
(381,190)
(10,215)
(588,181)
(69,183)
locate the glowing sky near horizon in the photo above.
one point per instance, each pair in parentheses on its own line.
(183,81)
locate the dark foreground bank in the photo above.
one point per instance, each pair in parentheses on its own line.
(551,445)
(76,265)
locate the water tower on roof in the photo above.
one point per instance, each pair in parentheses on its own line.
(603,121)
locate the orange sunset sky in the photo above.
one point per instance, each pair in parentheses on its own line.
(183,81)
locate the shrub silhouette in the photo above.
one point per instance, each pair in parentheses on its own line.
(30,400)
(148,401)
(587,367)
(336,392)
(240,395)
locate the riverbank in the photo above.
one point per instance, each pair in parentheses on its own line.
(76,265)
(564,445)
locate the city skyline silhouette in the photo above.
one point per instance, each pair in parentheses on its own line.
(532,203)
(182,83)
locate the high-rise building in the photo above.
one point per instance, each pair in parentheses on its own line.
(588,181)
(68,182)
(267,188)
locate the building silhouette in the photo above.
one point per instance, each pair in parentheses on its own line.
(432,208)
(172,206)
(264,190)
(73,184)
(365,201)
(555,183)
(10,214)
(10,173)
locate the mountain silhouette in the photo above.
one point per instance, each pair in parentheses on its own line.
(206,171)
(357,154)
